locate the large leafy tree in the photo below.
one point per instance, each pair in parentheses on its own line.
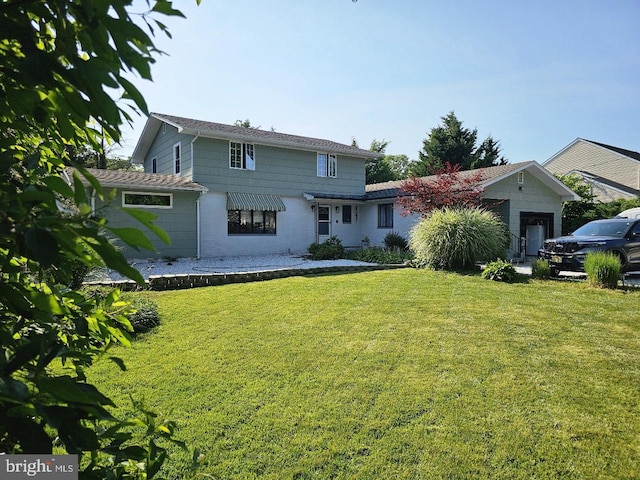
(386,167)
(58,60)
(451,142)
(378,170)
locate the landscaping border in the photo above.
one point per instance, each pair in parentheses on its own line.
(189,280)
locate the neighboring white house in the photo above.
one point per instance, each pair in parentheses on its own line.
(222,190)
(613,172)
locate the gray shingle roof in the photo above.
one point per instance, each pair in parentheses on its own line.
(264,137)
(147,181)
(489,175)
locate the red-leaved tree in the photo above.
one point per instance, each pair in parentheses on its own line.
(447,187)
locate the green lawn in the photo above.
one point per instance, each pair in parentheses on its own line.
(394,374)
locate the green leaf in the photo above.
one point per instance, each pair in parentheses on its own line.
(165,7)
(41,246)
(13,391)
(77,438)
(68,389)
(133,237)
(134,94)
(115,260)
(146,219)
(80,194)
(58,185)
(33,194)
(93,181)
(46,302)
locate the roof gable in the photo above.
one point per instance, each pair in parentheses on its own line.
(629,154)
(221,131)
(490,176)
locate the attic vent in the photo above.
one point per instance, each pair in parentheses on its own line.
(520,178)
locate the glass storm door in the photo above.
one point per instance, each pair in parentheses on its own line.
(324,223)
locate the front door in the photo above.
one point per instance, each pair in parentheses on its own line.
(324,223)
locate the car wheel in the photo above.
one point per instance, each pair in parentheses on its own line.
(555,272)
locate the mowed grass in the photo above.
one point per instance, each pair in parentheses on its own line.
(403,374)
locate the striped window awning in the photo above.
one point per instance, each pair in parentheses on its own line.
(254,201)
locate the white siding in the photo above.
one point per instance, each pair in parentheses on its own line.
(295,230)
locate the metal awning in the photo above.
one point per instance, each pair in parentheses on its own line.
(254,201)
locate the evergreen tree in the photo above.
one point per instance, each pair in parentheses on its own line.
(452,143)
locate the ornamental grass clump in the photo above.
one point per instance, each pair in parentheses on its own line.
(540,269)
(458,238)
(603,269)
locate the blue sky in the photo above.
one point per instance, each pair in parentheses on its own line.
(534,75)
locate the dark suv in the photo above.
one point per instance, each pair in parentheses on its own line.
(620,236)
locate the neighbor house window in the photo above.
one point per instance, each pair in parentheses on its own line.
(154,165)
(260,222)
(147,200)
(164,128)
(385,215)
(241,156)
(346,214)
(176,158)
(327,165)
(520,178)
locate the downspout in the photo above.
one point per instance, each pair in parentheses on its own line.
(198,226)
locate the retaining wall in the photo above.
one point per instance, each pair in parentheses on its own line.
(175,282)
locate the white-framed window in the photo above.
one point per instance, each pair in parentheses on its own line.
(385,215)
(242,156)
(164,128)
(154,165)
(327,165)
(521,178)
(147,200)
(177,152)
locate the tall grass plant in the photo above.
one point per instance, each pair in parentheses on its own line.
(458,238)
(603,269)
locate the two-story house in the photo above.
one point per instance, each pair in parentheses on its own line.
(263,191)
(612,172)
(223,190)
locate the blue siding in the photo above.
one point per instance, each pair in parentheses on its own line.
(278,171)
(179,222)
(162,150)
